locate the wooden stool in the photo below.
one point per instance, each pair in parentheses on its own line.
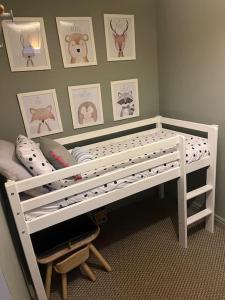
(55,255)
(76,259)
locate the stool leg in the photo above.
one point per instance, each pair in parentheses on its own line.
(100,258)
(64,286)
(87,270)
(48,279)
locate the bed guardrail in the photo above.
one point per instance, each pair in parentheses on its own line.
(15,188)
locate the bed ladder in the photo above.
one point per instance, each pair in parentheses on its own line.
(208,190)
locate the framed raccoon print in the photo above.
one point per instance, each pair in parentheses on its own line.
(125,100)
(86,105)
(77,41)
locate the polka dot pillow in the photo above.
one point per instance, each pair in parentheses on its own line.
(30,155)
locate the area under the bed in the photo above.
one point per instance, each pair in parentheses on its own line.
(196,149)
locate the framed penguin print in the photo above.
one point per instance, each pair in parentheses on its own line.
(86,105)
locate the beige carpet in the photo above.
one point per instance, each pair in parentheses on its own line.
(140,242)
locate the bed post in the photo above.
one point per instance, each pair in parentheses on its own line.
(161,190)
(182,194)
(25,239)
(211,177)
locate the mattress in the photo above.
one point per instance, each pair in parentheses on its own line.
(196,149)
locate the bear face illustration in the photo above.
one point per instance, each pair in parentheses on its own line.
(77,47)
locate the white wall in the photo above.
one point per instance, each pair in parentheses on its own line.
(9,264)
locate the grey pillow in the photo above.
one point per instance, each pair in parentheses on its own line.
(57,154)
(12,169)
(10,166)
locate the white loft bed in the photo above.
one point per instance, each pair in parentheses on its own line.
(19,208)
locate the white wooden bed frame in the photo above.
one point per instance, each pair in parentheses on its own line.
(26,228)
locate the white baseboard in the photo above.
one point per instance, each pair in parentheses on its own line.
(218,219)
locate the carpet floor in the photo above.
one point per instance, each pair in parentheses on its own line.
(140,243)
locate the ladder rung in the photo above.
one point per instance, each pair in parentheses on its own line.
(199,191)
(200,215)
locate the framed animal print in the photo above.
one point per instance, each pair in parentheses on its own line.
(26,44)
(40,113)
(120,37)
(125,100)
(77,41)
(86,105)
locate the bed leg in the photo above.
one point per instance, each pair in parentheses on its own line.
(182,195)
(211,177)
(25,240)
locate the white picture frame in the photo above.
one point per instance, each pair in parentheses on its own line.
(120,37)
(77,42)
(125,99)
(40,112)
(26,44)
(86,105)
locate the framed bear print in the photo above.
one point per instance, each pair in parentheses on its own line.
(120,37)
(26,44)
(40,113)
(86,105)
(77,41)
(125,99)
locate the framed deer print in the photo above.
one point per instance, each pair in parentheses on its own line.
(125,100)
(77,41)
(86,105)
(40,113)
(26,44)
(120,37)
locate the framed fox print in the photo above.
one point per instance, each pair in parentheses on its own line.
(26,44)
(40,113)
(77,41)
(125,99)
(120,37)
(86,105)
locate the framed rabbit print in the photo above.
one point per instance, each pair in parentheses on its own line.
(40,113)
(86,105)
(77,41)
(26,44)
(125,100)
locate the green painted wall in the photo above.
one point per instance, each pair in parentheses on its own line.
(191,56)
(144,67)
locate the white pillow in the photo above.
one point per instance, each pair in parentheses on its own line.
(31,156)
